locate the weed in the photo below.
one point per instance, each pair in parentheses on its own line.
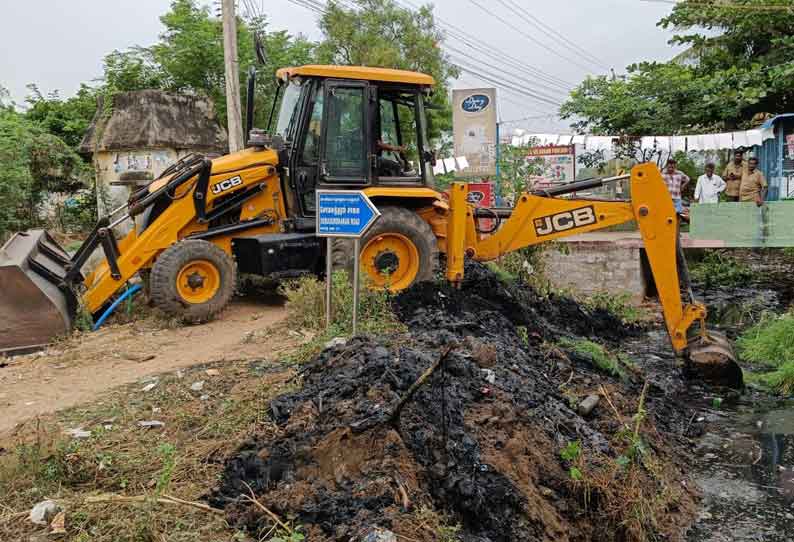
(770,342)
(617,304)
(306,305)
(572,451)
(780,380)
(167,452)
(615,364)
(293,536)
(525,265)
(523,334)
(438,523)
(719,269)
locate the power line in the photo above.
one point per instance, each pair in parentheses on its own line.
(466,56)
(727,5)
(476,43)
(502,84)
(530,37)
(489,76)
(554,34)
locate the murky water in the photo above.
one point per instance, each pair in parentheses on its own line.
(744,459)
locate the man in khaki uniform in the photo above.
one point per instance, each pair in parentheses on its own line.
(734,172)
(753,187)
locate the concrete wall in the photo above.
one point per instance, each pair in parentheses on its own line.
(111,166)
(589,267)
(743,224)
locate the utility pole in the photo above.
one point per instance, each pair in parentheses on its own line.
(233,109)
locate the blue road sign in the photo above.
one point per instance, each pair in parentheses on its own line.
(344,213)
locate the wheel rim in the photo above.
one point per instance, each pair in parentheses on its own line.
(390,260)
(198,281)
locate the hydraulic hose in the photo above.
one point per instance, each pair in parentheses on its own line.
(127,294)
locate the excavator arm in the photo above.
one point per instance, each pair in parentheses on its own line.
(538,218)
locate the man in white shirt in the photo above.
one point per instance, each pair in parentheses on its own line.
(709,186)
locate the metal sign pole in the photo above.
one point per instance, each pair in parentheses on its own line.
(356,262)
(344,214)
(328,278)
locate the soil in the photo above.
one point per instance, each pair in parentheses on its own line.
(478,443)
(80,368)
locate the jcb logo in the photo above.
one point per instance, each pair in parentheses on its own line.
(566,220)
(227,184)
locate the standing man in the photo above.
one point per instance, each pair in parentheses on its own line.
(733,174)
(709,186)
(676,181)
(753,187)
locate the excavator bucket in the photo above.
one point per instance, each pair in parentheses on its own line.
(712,359)
(35,305)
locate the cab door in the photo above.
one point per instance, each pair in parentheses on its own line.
(346,150)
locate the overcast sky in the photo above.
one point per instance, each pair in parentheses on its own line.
(58,44)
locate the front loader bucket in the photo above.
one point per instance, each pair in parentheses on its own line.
(35,305)
(713,360)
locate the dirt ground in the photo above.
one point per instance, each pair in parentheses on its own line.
(78,369)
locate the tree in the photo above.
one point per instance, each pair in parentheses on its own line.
(739,64)
(382,34)
(189,57)
(32,162)
(69,118)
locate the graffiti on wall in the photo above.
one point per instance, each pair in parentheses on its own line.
(154,161)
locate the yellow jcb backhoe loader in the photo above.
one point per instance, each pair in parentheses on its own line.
(204,221)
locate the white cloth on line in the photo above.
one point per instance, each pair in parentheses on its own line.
(678,143)
(709,141)
(739,139)
(598,143)
(662,143)
(648,143)
(564,140)
(579,139)
(462,163)
(767,133)
(449,164)
(438,169)
(694,142)
(724,140)
(754,137)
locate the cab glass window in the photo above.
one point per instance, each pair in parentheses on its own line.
(345,146)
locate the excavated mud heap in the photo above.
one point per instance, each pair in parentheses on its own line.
(478,443)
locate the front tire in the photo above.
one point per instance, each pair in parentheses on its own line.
(399,251)
(193,280)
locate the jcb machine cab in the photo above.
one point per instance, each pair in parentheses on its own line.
(203,221)
(343,127)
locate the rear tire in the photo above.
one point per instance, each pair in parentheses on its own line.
(399,251)
(193,280)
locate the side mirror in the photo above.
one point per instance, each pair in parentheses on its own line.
(430,157)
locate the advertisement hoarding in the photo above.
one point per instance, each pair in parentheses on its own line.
(557,163)
(474,128)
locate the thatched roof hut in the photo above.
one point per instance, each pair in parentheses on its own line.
(153,119)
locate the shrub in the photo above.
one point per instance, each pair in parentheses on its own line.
(619,305)
(718,269)
(599,356)
(770,344)
(306,305)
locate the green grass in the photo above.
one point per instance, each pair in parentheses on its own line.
(770,345)
(306,305)
(617,304)
(770,342)
(615,364)
(719,269)
(780,380)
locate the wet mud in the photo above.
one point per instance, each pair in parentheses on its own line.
(478,444)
